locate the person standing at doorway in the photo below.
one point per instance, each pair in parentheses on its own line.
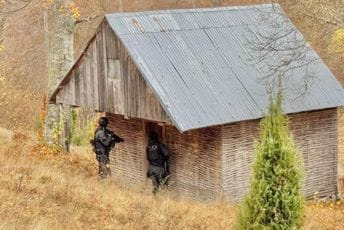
(104,140)
(158,158)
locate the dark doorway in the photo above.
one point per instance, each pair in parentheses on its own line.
(154,127)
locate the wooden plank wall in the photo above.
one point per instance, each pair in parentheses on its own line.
(97,82)
(195,163)
(127,160)
(315,135)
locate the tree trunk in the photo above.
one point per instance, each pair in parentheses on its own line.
(2,22)
(60,27)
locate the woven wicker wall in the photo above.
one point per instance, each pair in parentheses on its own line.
(199,172)
(128,158)
(315,135)
(237,147)
(195,162)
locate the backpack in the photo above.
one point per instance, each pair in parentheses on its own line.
(153,152)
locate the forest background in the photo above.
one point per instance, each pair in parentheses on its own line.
(34,196)
(24,42)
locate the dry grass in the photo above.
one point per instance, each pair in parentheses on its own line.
(62,192)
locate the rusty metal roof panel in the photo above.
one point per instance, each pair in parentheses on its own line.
(206,69)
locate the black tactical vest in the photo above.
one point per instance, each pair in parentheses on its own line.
(155,155)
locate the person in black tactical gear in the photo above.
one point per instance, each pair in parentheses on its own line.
(104,140)
(158,158)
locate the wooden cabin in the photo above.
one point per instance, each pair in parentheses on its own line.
(189,75)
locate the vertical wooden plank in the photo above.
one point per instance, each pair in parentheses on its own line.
(101,76)
(72,89)
(83,83)
(117,90)
(61,96)
(77,87)
(91,73)
(124,58)
(105,66)
(87,83)
(110,96)
(111,49)
(95,75)
(68,92)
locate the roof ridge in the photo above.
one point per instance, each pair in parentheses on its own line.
(188,10)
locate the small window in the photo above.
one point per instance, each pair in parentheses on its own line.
(114,68)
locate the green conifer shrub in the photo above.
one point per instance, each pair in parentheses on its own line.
(275,200)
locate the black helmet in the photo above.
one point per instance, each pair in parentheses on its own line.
(103,121)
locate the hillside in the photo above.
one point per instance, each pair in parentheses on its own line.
(44,191)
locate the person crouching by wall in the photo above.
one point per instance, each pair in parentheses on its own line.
(158,158)
(104,140)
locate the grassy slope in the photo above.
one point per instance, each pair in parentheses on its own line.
(56,192)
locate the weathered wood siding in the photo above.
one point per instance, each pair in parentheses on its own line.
(127,160)
(195,162)
(315,135)
(106,79)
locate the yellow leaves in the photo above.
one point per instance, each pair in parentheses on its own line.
(2,78)
(71,10)
(28,95)
(47,3)
(75,12)
(2,47)
(43,149)
(337,41)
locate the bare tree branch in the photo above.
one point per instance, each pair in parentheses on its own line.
(337,23)
(88,19)
(7,12)
(280,51)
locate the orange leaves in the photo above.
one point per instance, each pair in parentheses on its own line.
(42,149)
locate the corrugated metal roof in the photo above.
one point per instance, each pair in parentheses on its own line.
(206,70)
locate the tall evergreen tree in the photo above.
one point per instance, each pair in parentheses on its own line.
(274,200)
